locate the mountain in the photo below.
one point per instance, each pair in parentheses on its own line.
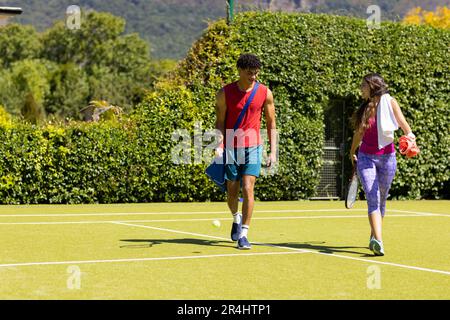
(171,26)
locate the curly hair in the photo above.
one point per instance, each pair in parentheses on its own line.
(367,110)
(248,61)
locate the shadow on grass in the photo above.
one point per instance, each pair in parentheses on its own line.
(322,248)
(319,246)
(148,243)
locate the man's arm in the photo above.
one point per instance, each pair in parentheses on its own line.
(269,111)
(221,111)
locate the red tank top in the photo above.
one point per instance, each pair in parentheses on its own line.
(370,140)
(247,134)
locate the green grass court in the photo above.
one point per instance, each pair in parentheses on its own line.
(301,250)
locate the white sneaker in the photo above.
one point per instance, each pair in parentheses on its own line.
(377,247)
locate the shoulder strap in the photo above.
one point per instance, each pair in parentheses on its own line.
(247,104)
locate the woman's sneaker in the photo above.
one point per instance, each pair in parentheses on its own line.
(377,247)
(371,243)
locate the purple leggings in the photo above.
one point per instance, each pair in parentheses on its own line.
(376,173)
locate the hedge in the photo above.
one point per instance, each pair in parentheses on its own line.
(308,61)
(80,163)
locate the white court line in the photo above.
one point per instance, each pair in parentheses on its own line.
(203,235)
(165,213)
(302,250)
(196,212)
(170,230)
(25,264)
(201,219)
(423,213)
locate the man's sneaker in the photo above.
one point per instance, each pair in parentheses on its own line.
(236,231)
(243,244)
(377,247)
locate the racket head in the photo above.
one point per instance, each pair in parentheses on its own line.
(352,190)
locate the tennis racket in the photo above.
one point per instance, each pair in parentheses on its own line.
(352,189)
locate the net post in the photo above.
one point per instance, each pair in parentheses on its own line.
(230,11)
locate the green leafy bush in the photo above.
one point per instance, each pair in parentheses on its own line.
(79,163)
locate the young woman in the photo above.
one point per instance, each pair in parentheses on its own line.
(375,122)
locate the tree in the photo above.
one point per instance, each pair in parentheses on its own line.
(69,91)
(26,82)
(65,69)
(438,19)
(18,42)
(86,46)
(32,112)
(117,66)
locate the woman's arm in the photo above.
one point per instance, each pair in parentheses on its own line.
(400,118)
(357,136)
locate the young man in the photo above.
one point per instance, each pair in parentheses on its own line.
(243,147)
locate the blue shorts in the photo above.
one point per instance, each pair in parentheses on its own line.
(243,161)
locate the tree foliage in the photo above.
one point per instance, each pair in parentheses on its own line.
(171,26)
(65,69)
(438,19)
(17,43)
